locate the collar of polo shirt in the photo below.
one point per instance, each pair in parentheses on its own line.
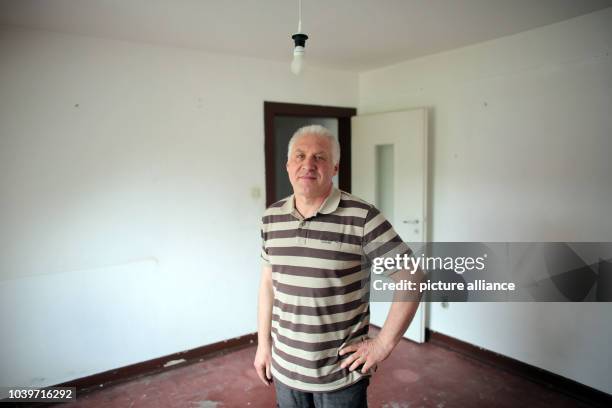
(329,205)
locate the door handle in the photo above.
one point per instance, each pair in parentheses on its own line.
(411,221)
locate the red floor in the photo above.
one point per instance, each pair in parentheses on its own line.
(414,376)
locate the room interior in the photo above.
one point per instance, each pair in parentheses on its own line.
(133,170)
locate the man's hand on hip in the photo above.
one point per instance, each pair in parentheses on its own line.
(263,359)
(368,353)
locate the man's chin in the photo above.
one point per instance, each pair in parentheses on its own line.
(308,185)
(307,181)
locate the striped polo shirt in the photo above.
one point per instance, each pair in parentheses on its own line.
(321,279)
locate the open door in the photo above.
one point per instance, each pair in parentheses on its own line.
(389,170)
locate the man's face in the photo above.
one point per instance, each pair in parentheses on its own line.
(311,166)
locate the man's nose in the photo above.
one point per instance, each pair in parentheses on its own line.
(309,162)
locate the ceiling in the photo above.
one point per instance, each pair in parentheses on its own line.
(355,35)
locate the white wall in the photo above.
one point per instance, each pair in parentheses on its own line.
(128,225)
(521,144)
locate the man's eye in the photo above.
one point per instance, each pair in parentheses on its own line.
(300,156)
(320,158)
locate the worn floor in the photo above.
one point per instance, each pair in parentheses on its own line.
(414,376)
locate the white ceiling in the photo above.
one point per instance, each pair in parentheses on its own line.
(346,34)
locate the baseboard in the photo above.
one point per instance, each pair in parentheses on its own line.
(560,384)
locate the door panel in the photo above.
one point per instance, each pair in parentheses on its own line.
(389,169)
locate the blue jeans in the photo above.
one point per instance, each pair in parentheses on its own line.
(353,396)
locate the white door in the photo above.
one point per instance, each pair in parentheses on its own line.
(389,170)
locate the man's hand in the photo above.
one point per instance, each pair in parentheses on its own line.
(368,352)
(263,359)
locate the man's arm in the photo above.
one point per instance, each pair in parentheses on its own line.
(263,357)
(372,351)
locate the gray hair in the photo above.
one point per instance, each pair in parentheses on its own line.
(317,130)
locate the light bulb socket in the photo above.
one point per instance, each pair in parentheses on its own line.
(299,39)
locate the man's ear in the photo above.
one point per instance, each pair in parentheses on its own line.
(336,168)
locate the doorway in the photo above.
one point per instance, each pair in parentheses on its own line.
(281,120)
(391,149)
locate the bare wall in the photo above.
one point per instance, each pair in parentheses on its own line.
(129,210)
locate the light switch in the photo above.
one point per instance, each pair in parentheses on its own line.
(255,192)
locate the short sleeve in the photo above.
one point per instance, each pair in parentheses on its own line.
(381,241)
(265,259)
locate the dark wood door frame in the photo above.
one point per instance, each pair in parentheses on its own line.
(273,109)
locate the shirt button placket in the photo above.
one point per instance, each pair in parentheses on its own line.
(302,229)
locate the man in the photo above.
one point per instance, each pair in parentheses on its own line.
(313,314)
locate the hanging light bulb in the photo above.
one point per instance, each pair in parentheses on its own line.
(299,40)
(298,53)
